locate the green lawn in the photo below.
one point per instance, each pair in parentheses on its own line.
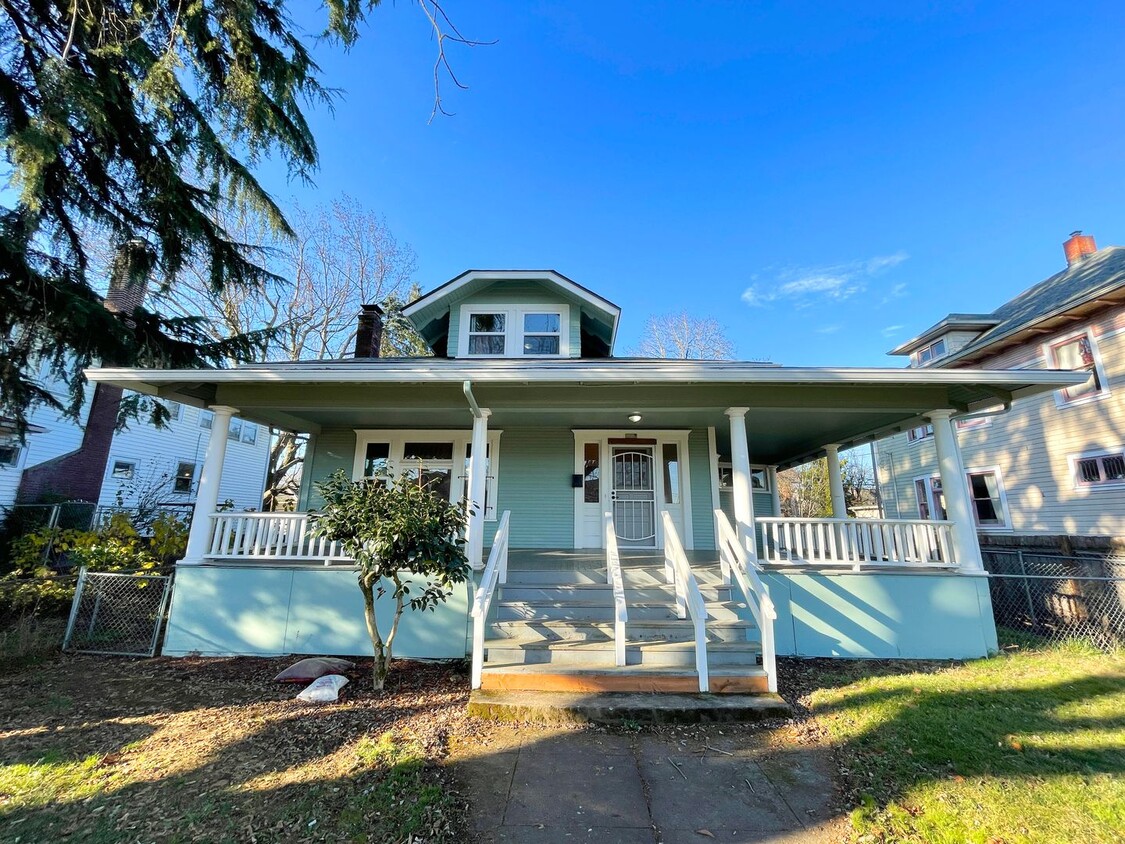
(1027,747)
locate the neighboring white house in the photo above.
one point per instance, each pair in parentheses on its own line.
(1053,467)
(160,465)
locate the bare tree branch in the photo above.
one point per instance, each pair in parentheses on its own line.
(680,335)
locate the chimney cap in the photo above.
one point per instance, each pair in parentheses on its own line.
(372,309)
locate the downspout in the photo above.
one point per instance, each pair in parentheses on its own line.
(467,388)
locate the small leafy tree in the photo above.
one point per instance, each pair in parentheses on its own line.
(395,530)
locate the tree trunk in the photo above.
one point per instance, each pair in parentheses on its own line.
(382,663)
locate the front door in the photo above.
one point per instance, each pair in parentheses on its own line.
(634,496)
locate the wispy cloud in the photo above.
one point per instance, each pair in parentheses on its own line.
(828,329)
(803,285)
(896,292)
(892,330)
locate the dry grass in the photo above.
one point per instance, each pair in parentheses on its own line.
(112,750)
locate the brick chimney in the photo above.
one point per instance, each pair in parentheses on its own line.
(369,332)
(1078,246)
(78,475)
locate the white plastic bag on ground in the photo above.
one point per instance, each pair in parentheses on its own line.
(324,689)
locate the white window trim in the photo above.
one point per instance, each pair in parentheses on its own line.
(977,424)
(931,502)
(115,460)
(513,328)
(925,435)
(21,451)
(459,437)
(1006,524)
(1072,463)
(1049,358)
(918,362)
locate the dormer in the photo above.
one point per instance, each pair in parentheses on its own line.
(515,314)
(945,338)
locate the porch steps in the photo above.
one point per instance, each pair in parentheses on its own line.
(586,706)
(553,632)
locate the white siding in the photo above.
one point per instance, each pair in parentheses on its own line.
(1031,445)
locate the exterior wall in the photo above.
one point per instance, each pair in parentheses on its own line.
(702,507)
(1031,445)
(156,453)
(330,450)
(536,465)
(268,611)
(882,615)
(513,293)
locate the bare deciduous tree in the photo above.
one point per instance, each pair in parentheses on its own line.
(681,335)
(805,492)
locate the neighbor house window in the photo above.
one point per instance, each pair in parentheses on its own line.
(920,433)
(487,333)
(175,410)
(1078,353)
(234,432)
(123,470)
(249,433)
(986,494)
(591,473)
(542,333)
(970,424)
(206,419)
(9,454)
(931,498)
(930,353)
(1100,469)
(185,474)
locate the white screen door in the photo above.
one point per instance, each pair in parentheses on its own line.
(634,497)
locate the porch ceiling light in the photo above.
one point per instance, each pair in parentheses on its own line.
(634,418)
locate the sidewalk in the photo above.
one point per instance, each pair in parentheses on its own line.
(547,785)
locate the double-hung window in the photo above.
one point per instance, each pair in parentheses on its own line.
(1079,353)
(488,334)
(542,333)
(930,353)
(9,453)
(514,331)
(920,433)
(987,497)
(185,476)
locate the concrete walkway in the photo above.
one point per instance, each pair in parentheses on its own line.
(547,785)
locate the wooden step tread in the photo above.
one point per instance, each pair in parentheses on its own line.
(627,679)
(608,645)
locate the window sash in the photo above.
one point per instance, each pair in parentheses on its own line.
(1100,469)
(1077,354)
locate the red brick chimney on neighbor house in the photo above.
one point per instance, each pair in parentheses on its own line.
(78,475)
(369,332)
(1078,246)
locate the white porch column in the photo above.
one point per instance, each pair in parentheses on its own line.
(740,477)
(207,494)
(775,492)
(956,491)
(478,476)
(836,482)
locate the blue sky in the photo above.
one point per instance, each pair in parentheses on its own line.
(825,181)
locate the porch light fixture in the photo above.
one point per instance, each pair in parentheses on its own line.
(634,418)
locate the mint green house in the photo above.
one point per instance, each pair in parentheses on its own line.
(628,533)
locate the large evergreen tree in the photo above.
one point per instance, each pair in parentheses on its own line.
(130,121)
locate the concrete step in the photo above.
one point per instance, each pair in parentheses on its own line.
(661,681)
(672,629)
(579,653)
(592,609)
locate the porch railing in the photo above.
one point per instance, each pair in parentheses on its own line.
(495,572)
(617,581)
(689,600)
(857,542)
(269,536)
(735,560)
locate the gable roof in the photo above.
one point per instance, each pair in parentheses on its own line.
(429,313)
(1081,285)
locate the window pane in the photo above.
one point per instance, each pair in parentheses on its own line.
(185,472)
(726,477)
(486,344)
(591,478)
(541,323)
(487,323)
(1114,467)
(428,451)
(235,430)
(9,454)
(540,345)
(249,433)
(1088,472)
(206,418)
(671,473)
(122,470)
(758,480)
(437,481)
(375,459)
(922,492)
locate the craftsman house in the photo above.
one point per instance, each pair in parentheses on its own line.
(628,533)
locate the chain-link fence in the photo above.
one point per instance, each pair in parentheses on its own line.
(117,613)
(1040,598)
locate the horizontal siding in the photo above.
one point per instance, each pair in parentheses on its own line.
(536,466)
(332,449)
(1031,445)
(702,508)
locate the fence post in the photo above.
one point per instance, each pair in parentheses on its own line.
(74,606)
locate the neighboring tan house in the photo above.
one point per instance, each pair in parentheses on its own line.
(627,533)
(1050,470)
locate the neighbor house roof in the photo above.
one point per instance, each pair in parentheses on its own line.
(1088,284)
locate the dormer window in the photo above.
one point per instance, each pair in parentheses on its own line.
(930,353)
(514,331)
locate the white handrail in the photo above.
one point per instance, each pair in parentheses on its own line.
(920,543)
(735,559)
(688,597)
(496,571)
(617,581)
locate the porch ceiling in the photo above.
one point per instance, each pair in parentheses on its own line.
(793,412)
